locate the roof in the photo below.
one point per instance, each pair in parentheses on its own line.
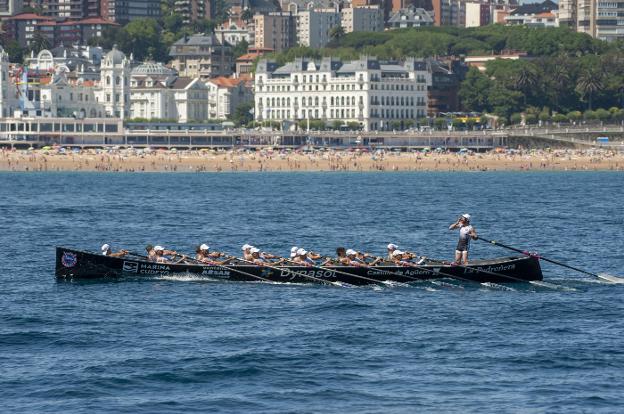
(198,40)
(29,16)
(96,20)
(152,68)
(411,15)
(224,82)
(249,57)
(182,83)
(535,8)
(115,56)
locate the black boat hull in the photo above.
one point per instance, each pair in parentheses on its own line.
(77,264)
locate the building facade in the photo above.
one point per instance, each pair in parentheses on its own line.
(114,91)
(477,14)
(362,19)
(373,93)
(225,95)
(409,17)
(314,26)
(204,56)
(193,10)
(124,11)
(276,31)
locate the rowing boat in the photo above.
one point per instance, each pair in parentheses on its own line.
(78,264)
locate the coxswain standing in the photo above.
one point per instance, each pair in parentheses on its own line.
(107,251)
(466,232)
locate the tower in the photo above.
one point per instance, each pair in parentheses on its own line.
(114,91)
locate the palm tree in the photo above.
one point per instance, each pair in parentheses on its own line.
(336,33)
(559,79)
(247,14)
(588,83)
(39,42)
(526,80)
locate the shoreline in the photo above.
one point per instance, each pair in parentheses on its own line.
(321,161)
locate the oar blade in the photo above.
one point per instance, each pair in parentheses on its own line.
(610,278)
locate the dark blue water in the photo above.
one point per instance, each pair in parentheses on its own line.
(187,345)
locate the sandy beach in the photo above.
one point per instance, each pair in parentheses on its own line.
(130,160)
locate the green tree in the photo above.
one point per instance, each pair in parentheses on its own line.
(15,51)
(526,80)
(336,33)
(221,11)
(240,49)
(474,91)
(242,114)
(588,84)
(142,38)
(247,14)
(39,42)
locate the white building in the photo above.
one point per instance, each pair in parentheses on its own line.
(114,91)
(172,98)
(235,31)
(362,19)
(225,95)
(60,98)
(373,93)
(314,26)
(8,90)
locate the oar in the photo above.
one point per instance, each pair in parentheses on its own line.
(610,278)
(316,279)
(346,273)
(228,268)
(443,274)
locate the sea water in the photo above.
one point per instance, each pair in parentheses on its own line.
(187,344)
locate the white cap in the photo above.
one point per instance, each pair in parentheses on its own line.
(397,253)
(247,246)
(392,246)
(204,247)
(302,252)
(158,248)
(294,249)
(466,216)
(350,252)
(105,247)
(254,249)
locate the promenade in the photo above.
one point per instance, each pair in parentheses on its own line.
(102,132)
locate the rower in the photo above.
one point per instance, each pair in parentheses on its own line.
(255,256)
(151,254)
(293,252)
(303,257)
(205,256)
(247,252)
(107,251)
(363,256)
(160,253)
(401,258)
(203,252)
(352,259)
(391,249)
(466,232)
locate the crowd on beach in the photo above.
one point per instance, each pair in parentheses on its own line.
(305,159)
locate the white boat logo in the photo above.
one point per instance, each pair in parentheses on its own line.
(131,267)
